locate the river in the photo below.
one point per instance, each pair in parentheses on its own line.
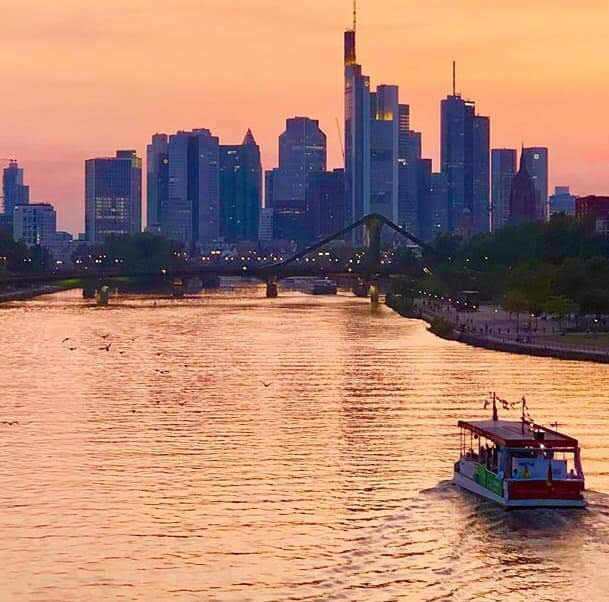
(227,447)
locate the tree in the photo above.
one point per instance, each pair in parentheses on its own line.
(516,302)
(594,301)
(560,306)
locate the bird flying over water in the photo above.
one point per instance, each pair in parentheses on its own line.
(66,339)
(10,422)
(72,348)
(266,384)
(104,336)
(106,348)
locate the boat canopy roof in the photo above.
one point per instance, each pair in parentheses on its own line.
(509,434)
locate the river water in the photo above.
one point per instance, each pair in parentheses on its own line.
(163,468)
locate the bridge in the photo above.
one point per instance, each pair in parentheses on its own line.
(370,268)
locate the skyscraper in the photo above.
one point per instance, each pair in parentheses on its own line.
(464,160)
(13,188)
(240,189)
(157,179)
(523,197)
(503,169)
(481,201)
(410,194)
(357,134)
(113,195)
(536,160)
(384,151)
(302,153)
(191,213)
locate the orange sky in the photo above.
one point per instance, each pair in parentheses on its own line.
(83,78)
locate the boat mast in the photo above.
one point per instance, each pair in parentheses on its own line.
(495,417)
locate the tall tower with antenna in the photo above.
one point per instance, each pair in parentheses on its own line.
(464,152)
(350,40)
(357,131)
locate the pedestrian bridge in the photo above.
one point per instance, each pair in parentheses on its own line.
(370,269)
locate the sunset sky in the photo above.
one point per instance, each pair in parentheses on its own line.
(83,78)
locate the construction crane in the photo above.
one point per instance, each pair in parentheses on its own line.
(340,139)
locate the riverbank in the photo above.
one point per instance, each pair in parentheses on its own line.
(30,293)
(542,346)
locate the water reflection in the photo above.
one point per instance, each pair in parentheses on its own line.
(165,469)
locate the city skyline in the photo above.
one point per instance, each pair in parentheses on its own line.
(294,67)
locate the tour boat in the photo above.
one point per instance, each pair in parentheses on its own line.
(519,463)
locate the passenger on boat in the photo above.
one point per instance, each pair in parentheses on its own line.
(515,473)
(572,474)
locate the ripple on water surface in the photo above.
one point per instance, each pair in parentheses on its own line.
(230,447)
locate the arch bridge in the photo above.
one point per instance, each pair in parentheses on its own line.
(370,269)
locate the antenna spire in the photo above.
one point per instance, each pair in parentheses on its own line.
(354,15)
(454,78)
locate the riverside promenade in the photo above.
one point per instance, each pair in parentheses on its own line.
(493,328)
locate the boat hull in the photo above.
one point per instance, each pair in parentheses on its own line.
(554,502)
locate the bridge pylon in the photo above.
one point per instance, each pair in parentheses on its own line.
(373,224)
(271,287)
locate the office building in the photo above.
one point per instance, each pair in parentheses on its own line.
(409,169)
(113,196)
(503,170)
(384,151)
(536,160)
(357,135)
(481,201)
(562,201)
(191,213)
(523,197)
(240,190)
(465,161)
(302,153)
(15,192)
(35,224)
(157,179)
(326,203)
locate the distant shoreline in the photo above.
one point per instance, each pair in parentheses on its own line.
(507,345)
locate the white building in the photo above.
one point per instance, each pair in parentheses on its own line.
(35,224)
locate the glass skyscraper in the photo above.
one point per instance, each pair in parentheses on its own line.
(191,212)
(503,170)
(357,135)
(113,196)
(240,190)
(465,161)
(157,179)
(536,161)
(13,188)
(302,154)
